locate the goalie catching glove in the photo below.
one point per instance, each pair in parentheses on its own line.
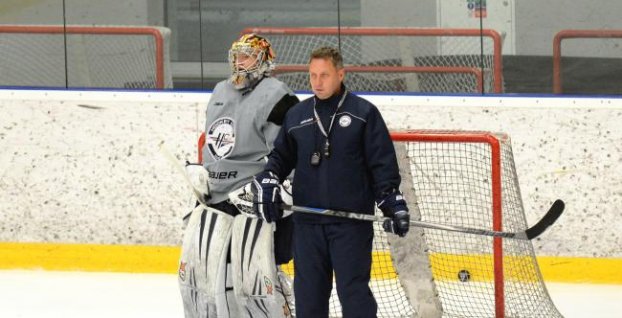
(394,206)
(267,196)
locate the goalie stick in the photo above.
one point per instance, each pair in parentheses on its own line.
(201,197)
(554,212)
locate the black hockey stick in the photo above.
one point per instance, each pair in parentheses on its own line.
(549,218)
(243,199)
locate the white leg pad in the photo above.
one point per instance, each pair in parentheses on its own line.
(256,284)
(203,265)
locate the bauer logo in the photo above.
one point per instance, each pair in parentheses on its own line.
(345,121)
(221,138)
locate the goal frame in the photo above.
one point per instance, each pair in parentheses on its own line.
(496,142)
(475,72)
(101,30)
(497,71)
(493,140)
(574,34)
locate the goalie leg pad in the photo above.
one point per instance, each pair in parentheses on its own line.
(256,283)
(203,265)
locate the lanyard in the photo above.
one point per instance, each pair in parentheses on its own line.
(332,121)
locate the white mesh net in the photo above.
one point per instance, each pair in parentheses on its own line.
(97,56)
(405,59)
(463,179)
(474,184)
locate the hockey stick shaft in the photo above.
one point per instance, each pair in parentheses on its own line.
(554,212)
(549,218)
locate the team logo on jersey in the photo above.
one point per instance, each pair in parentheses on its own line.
(220,138)
(345,121)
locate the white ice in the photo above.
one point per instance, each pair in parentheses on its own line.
(30,294)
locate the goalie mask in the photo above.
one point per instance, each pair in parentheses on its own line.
(250,58)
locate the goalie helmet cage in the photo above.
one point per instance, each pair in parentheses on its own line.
(576,34)
(395,59)
(460,178)
(134,57)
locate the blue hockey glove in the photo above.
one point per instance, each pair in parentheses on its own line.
(394,206)
(267,196)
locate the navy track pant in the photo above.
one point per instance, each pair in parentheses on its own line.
(320,249)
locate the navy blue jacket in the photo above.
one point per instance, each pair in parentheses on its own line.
(362,166)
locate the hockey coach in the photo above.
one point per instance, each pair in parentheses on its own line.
(344,159)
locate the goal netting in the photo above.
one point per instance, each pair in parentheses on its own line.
(458,178)
(468,179)
(395,59)
(134,57)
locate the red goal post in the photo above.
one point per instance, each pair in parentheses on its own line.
(436,52)
(574,34)
(149,58)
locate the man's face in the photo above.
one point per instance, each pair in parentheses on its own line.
(324,77)
(244,61)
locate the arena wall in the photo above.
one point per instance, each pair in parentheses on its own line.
(84,185)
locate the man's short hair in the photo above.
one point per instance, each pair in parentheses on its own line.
(329,53)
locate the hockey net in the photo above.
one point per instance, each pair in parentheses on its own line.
(469,179)
(395,59)
(458,178)
(133,57)
(606,41)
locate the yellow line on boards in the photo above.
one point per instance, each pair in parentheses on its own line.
(164,259)
(89,257)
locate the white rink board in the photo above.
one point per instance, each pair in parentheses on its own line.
(84,166)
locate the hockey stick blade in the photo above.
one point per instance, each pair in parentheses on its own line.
(549,218)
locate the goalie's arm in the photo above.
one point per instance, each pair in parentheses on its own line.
(276,117)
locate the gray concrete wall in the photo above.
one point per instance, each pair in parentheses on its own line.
(85,166)
(537,22)
(130,12)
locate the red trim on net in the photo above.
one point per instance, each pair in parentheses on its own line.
(489,33)
(45,29)
(573,34)
(497,206)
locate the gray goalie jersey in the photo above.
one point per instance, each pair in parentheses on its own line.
(239,132)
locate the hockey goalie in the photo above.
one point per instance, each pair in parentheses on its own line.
(230,260)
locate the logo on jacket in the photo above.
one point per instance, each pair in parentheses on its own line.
(345,121)
(220,138)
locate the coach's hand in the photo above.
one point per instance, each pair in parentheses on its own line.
(267,196)
(394,206)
